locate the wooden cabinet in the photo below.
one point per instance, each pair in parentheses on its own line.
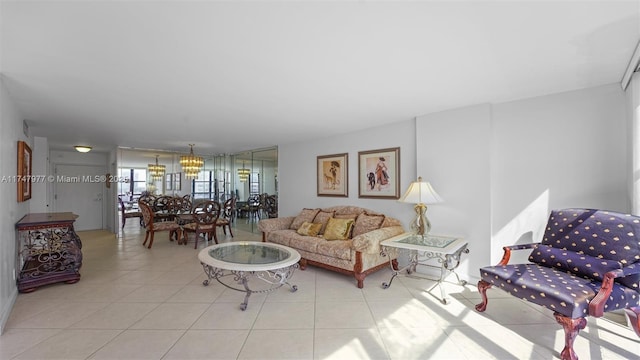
(48,249)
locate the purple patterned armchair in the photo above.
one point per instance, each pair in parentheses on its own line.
(588,263)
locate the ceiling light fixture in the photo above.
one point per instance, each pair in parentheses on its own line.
(191,164)
(243,173)
(156,171)
(82,148)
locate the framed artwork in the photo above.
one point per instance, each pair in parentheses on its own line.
(379,173)
(333,178)
(168,183)
(178,181)
(24,171)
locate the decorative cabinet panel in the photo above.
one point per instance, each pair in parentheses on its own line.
(48,249)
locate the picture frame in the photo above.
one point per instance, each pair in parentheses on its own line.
(177,177)
(24,174)
(333,175)
(379,174)
(168,183)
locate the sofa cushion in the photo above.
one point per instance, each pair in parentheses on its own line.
(309,229)
(338,229)
(323,218)
(365,223)
(579,264)
(305,215)
(306,243)
(340,249)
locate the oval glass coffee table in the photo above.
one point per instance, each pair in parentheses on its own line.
(272,264)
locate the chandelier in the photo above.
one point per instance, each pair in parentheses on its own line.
(191,164)
(243,173)
(156,171)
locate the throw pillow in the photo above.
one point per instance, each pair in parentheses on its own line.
(346,216)
(365,223)
(305,215)
(323,218)
(338,229)
(309,229)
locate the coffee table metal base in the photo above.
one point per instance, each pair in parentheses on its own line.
(274,278)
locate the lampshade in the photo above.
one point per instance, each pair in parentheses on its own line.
(82,148)
(191,164)
(243,174)
(420,192)
(156,171)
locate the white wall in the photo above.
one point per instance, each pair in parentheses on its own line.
(633,124)
(12,211)
(501,168)
(556,151)
(297,169)
(453,153)
(41,189)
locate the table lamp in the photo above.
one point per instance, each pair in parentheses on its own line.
(421,193)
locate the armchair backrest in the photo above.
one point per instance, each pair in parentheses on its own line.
(590,243)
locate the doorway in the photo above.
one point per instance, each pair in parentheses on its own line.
(79,189)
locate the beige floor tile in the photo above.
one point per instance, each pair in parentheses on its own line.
(286,315)
(107,293)
(139,344)
(61,316)
(260,345)
(116,316)
(172,316)
(151,293)
(419,343)
(197,293)
(402,313)
(348,344)
(208,344)
(126,286)
(175,278)
(343,315)
(227,316)
(69,344)
(16,341)
(139,277)
(344,289)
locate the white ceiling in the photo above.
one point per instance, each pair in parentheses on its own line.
(232,76)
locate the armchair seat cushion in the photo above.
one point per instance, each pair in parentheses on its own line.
(555,289)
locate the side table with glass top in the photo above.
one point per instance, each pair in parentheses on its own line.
(445,250)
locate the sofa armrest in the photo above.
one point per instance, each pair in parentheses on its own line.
(507,251)
(369,242)
(273,224)
(596,306)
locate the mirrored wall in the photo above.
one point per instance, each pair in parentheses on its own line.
(245,176)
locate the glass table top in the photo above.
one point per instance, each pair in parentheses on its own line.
(249,254)
(428,240)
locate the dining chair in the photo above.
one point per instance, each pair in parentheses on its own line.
(151,226)
(227,216)
(126,213)
(229,208)
(205,216)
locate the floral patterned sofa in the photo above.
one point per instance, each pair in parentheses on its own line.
(587,263)
(345,239)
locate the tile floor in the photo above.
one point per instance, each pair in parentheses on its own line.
(136,303)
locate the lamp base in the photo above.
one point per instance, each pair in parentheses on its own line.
(421,224)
